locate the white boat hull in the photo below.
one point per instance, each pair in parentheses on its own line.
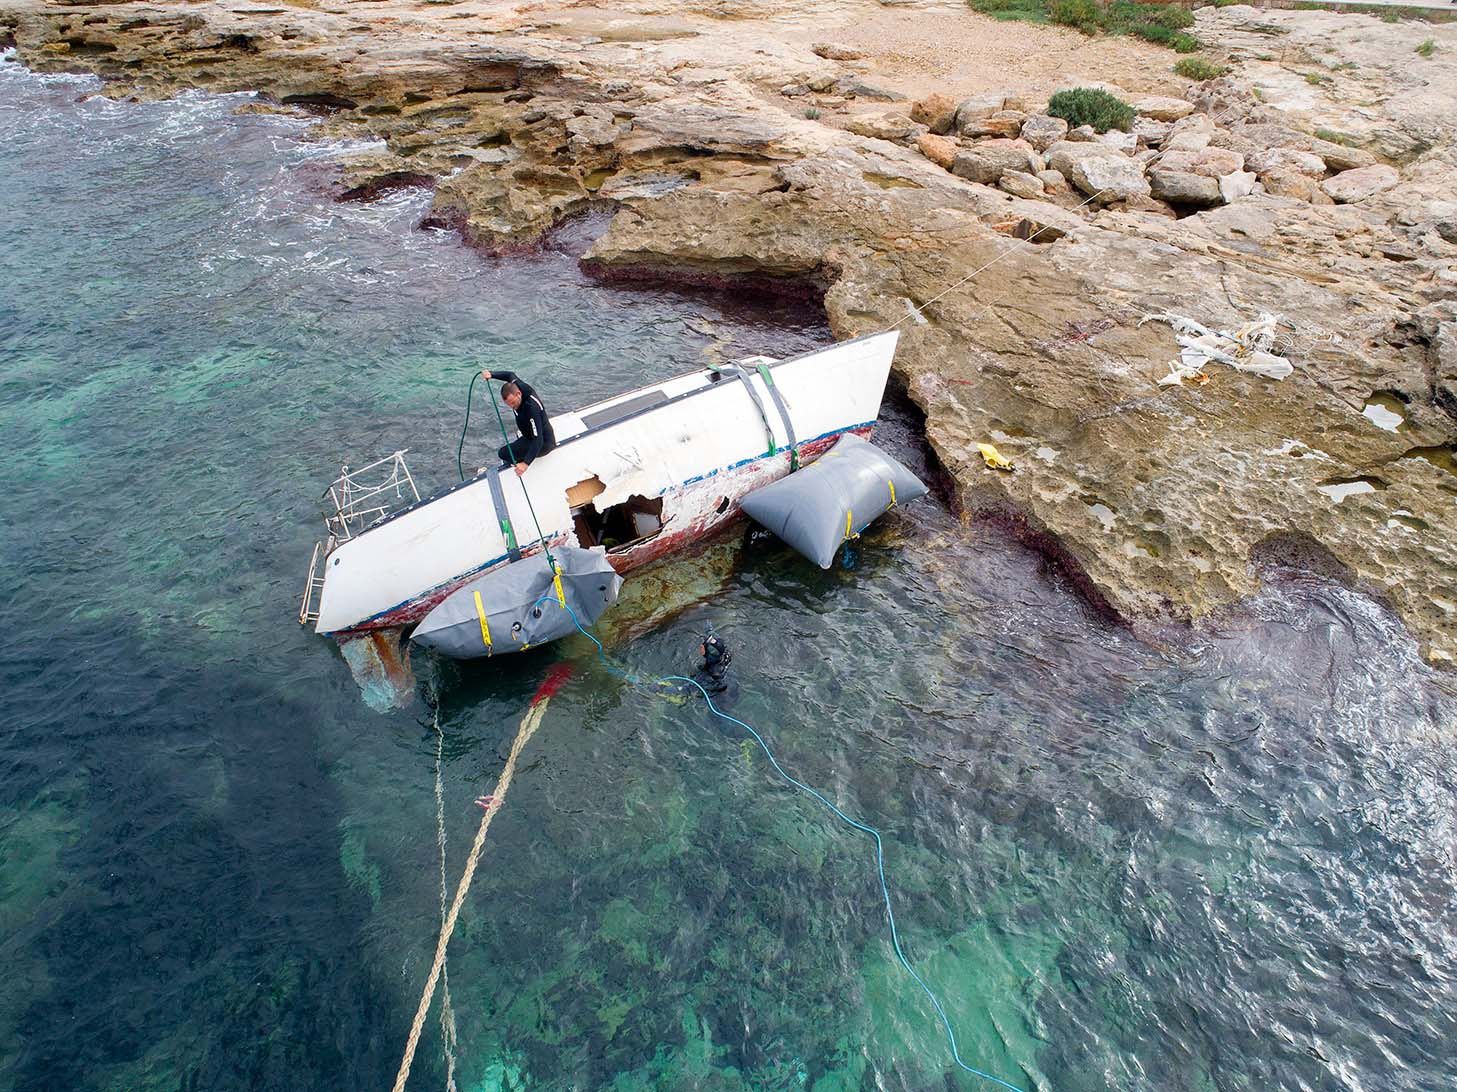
(645,474)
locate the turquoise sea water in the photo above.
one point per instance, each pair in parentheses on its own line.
(1222,862)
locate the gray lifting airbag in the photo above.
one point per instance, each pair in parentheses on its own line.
(834,498)
(520,605)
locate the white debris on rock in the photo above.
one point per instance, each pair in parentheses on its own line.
(1246,349)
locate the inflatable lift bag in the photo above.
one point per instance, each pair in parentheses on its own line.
(510,608)
(834,498)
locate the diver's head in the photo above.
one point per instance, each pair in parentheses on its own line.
(715,652)
(511,395)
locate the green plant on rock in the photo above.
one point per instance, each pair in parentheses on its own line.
(1427,48)
(1197,68)
(1085,15)
(1091,106)
(812,113)
(1027,11)
(1165,24)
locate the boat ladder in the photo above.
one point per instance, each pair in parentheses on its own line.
(360,498)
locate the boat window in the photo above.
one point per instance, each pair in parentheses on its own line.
(618,525)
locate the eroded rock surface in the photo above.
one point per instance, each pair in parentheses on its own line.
(743,147)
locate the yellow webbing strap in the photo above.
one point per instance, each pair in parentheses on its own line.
(556,579)
(892,490)
(485,626)
(847,523)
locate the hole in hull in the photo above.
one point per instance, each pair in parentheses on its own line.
(618,526)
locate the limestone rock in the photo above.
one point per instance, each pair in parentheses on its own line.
(988,160)
(1149,131)
(1237,184)
(591,132)
(887,126)
(1042,131)
(1284,182)
(832,51)
(1022,184)
(1338,157)
(1004,123)
(939,150)
(1293,159)
(1182,188)
(1119,140)
(1223,138)
(972,110)
(936,112)
(1082,134)
(1062,155)
(1359,184)
(1053,182)
(1191,141)
(1213,162)
(1138,203)
(853,87)
(1269,135)
(1108,178)
(1194,123)
(1163,108)
(700,127)
(647,184)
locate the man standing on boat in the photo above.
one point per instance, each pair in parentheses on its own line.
(537,437)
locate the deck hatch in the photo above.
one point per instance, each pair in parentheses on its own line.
(624,409)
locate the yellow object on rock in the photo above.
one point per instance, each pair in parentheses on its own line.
(993,457)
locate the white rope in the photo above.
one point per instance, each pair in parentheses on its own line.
(529,724)
(447,1013)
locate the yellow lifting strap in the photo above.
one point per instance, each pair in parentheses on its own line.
(556,579)
(485,626)
(848,534)
(892,490)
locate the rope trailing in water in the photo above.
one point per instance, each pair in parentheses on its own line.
(447,1012)
(827,802)
(527,729)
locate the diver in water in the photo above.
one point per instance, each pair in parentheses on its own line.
(716,681)
(712,674)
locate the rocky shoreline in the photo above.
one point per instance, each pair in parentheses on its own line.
(850,151)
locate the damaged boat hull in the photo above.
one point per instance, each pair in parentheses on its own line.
(644,474)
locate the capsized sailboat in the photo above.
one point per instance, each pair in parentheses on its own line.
(636,477)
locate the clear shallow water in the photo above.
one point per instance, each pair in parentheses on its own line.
(1223,864)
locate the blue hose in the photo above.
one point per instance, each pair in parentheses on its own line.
(802,787)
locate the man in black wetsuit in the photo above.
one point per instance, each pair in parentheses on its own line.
(537,437)
(713,674)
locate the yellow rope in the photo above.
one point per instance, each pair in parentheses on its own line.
(529,724)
